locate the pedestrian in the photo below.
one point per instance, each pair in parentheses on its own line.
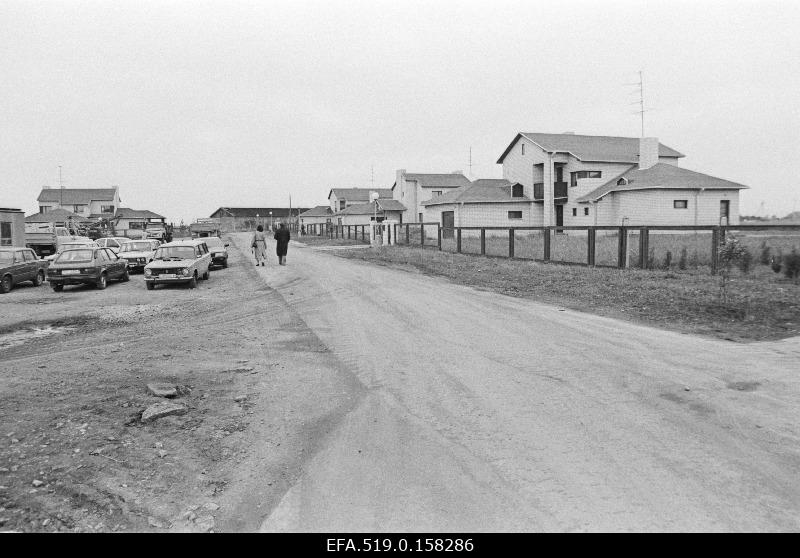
(282,236)
(259,245)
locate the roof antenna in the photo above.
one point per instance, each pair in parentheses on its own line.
(471,176)
(640,102)
(372,175)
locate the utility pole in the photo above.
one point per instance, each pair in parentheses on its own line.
(470,163)
(61,186)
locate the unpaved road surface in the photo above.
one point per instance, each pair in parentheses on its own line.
(478,411)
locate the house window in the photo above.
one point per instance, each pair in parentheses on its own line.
(78,208)
(135,225)
(515,214)
(342,204)
(5,234)
(680,204)
(436,193)
(577,175)
(106,209)
(44,209)
(523,149)
(586,211)
(622,181)
(516,191)
(420,217)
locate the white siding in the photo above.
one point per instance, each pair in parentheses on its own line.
(656,207)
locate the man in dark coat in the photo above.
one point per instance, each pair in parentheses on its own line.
(282,236)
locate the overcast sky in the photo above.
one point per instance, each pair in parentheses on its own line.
(189,106)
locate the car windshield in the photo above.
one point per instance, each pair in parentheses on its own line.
(136,247)
(75,256)
(213,242)
(175,252)
(6,257)
(72,246)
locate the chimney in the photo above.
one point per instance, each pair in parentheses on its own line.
(648,152)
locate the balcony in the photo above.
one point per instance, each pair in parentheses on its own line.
(559,191)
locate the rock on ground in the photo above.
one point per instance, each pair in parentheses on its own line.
(162,390)
(162,409)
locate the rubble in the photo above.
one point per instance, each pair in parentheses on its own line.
(162,409)
(162,390)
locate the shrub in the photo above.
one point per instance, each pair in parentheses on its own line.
(651,259)
(731,252)
(745,260)
(766,254)
(694,259)
(667,260)
(791,265)
(777,262)
(682,259)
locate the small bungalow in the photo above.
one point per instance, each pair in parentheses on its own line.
(318,215)
(136,220)
(342,198)
(363,214)
(57,217)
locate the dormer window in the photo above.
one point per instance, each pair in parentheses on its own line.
(622,181)
(516,191)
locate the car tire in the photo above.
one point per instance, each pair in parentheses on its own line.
(102,282)
(225,263)
(205,276)
(39,279)
(193,282)
(6,284)
(150,286)
(58,287)
(125,276)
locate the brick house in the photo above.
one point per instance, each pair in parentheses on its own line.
(483,203)
(413,189)
(86,202)
(342,198)
(601,180)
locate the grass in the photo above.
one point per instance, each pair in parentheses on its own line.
(763,305)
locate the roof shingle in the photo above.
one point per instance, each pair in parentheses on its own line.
(610,149)
(429,180)
(359,194)
(76,196)
(486,190)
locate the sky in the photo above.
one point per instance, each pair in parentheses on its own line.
(190,105)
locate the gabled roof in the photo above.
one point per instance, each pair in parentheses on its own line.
(76,196)
(429,180)
(486,190)
(606,149)
(359,194)
(56,215)
(318,211)
(127,213)
(371,208)
(661,176)
(262,212)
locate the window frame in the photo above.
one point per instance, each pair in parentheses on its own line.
(685,204)
(574,176)
(515,212)
(517,188)
(6,239)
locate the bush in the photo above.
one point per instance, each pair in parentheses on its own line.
(731,252)
(766,254)
(682,259)
(667,260)
(651,259)
(777,262)
(791,265)
(745,262)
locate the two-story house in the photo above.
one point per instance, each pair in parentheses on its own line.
(85,202)
(413,189)
(602,180)
(342,198)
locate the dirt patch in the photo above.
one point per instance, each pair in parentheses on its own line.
(743,386)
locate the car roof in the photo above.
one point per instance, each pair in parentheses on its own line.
(187,242)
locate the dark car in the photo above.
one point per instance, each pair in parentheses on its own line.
(86,266)
(219,251)
(18,265)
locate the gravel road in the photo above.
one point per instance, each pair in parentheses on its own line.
(490,413)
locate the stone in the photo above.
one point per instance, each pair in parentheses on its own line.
(205,523)
(240,398)
(162,453)
(153,522)
(211,506)
(162,409)
(37,483)
(162,390)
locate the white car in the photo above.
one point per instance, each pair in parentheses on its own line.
(139,253)
(181,261)
(112,242)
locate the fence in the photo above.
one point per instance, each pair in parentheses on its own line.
(645,247)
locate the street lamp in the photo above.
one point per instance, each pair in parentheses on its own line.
(270,220)
(257,223)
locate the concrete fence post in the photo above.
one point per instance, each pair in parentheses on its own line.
(511,243)
(622,247)
(483,242)
(458,240)
(546,238)
(591,241)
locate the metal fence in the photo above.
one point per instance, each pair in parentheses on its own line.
(645,247)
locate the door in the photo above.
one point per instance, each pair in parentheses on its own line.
(724,211)
(559,215)
(448,222)
(22,268)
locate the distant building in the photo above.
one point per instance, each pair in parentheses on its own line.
(126,219)
(85,202)
(316,216)
(365,213)
(58,217)
(12,227)
(342,198)
(413,189)
(248,218)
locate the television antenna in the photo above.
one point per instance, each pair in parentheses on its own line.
(640,86)
(470,163)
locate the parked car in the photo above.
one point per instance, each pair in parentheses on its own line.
(18,265)
(219,252)
(112,242)
(87,265)
(138,253)
(182,261)
(70,246)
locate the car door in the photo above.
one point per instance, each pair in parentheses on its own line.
(33,261)
(115,267)
(22,267)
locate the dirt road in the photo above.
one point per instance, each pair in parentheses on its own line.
(485,412)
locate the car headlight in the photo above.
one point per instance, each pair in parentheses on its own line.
(185,271)
(148,272)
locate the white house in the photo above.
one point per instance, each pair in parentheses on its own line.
(136,219)
(483,203)
(413,189)
(601,180)
(318,215)
(342,198)
(363,214)
(86,202)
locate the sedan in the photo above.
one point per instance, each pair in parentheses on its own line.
(82,266)
(138,253)
(18,265)
(219,251)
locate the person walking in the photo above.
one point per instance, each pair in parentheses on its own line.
(282,236)
(259,245)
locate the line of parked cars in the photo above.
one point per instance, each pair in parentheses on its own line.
(107,259)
